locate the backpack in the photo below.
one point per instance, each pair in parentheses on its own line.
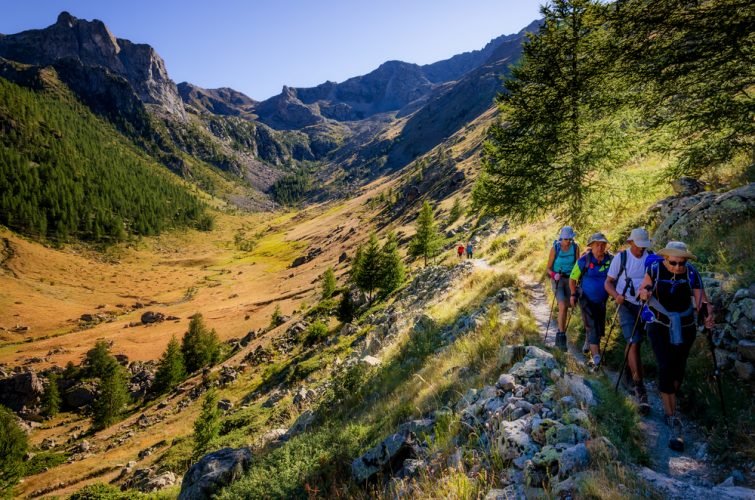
(622,269)
(557,248)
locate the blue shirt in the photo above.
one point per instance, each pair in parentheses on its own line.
(593,274)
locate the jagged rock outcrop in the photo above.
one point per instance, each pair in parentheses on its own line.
(21,390)
(222,101)
(213,471)
(684,217)
(92,43)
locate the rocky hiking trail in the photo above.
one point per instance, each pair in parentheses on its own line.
(685,475)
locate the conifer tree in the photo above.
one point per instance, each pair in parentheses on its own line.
(200,347)
(559,127)
(13,445)
(456,210)
(369,272)
(328,283)
(277,316)
(112,395)
(51,396)
(392,272)
(207,425)
(691,63)
(171,370)
(426,242)
(98,359)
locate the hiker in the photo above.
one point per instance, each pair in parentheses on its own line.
(460,250)
(674,293)
(623,282)
(586,284)
(469,250)
(563,256)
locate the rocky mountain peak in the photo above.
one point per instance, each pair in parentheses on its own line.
(66,19)
(92,43)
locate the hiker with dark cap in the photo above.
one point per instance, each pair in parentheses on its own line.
(674,294)
(586,284)
(623,282)
(563,256)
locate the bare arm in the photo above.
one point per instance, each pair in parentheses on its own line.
(645,293)
(610,286)
(551,258)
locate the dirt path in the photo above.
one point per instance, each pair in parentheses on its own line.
(689,474)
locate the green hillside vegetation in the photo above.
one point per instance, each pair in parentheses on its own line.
(64,173)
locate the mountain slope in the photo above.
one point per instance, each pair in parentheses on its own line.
(66,173)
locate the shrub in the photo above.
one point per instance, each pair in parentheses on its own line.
(13,445)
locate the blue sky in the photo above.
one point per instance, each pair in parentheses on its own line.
(257,46)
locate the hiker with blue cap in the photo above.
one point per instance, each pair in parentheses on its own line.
(563,255)
(673,291)
(586,283)
(623,282)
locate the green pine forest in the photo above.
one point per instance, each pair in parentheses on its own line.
(66,174)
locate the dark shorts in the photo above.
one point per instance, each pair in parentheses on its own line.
(561,289)
(594,319)
(671,359)
(627,319)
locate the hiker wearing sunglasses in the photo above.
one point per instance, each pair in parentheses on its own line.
(622,283)
(673,291)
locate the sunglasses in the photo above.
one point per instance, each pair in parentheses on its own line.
(677,263)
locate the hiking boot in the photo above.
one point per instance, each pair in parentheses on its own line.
(676,441)
(561,340)
(586,348)
(595,362)
(642,397)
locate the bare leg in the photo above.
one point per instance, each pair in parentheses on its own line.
(563,307)
(635,366)
(669,403)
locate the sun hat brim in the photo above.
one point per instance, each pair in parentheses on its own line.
(676,252)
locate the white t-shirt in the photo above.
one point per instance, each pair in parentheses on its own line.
(635,270)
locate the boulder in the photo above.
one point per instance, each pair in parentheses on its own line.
(514,439)
(747,349)
(573,459)
(225,405)
(506,382)
(569,434)
(214,471)
(388,455)
(152,317)
(20,390)
(687,186)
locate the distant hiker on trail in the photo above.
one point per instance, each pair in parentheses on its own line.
(563,256)
(673,291)
(623,283)
(586,283)
(470,249)
(460,250)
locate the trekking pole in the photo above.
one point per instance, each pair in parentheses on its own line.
(550,317)
(717,374)
(626,350)
(610,332)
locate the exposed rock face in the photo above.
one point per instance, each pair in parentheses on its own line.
(91,43)
(80,395)
(682,218)
(21,389)
(214,471)
(222,101)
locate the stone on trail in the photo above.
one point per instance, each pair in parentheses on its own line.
(573,459)
(514,439)
(506,382)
